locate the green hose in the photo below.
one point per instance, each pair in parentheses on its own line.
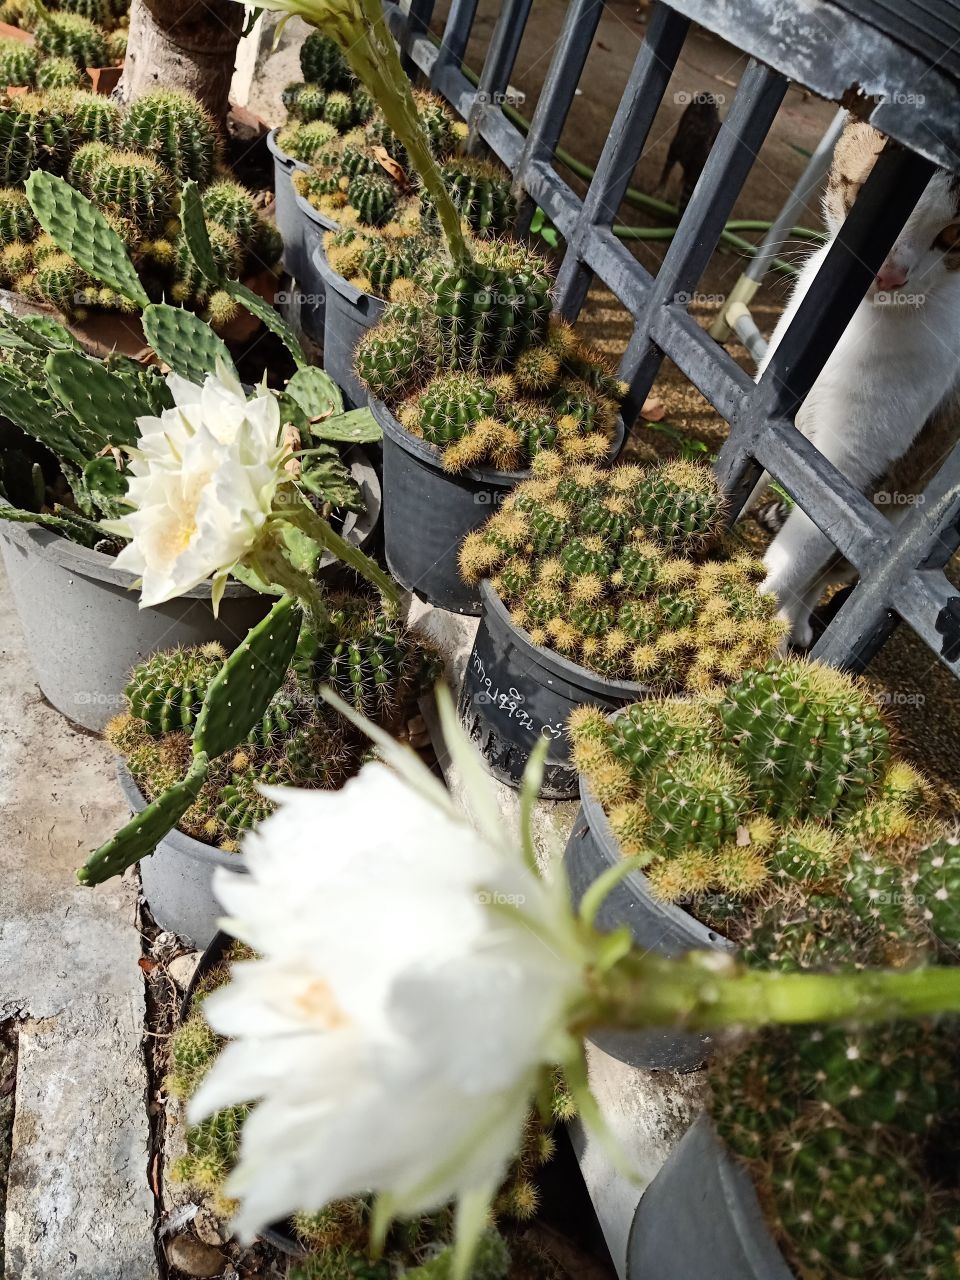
(642,201)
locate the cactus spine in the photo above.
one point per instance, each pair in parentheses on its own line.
(175,129)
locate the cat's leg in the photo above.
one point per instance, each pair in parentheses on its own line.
(799,565)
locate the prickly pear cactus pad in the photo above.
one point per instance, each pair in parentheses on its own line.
(816,798)
(336,1239)
(609,569)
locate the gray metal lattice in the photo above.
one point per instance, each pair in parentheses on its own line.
(821,46)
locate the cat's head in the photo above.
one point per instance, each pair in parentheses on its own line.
(927,251)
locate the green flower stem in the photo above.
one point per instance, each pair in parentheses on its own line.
(706,990)
(359,29)
(270,563)
(303,516)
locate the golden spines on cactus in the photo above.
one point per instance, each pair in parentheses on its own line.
(587,722)
(762,831)
(741,869)
(564,636)
(536,369)
(586,588)
(589,448)
(879,821)
(628,822)
(906,786)
(547,463)
(609,780)
(403,290)
(687,875)
(561,338)
(477,557)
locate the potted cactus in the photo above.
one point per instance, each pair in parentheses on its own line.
(368,657)
(386,233)
(132,163)
(784,781)
(599,587)
(826,1152)
(472,379)
(337,1238)
(325,74)
(68,470)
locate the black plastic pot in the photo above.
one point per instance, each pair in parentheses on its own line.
(661,927)
(427,512)
(515,692)
(286,214)
(348,314)
(312,289)
(701,1217)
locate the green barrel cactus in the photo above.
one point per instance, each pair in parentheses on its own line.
(322,63)
(70,35)
(18,63)
(173,127)
(91,117)
(812,739)
(166,692)
(131,185)
(374,197)
(304,101)
(17,222)
(481,192)
(60,73)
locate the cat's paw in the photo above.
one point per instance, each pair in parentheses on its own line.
(772,515)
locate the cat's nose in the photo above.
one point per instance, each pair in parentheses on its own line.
(891,276)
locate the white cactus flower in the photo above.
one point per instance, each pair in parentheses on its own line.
(415,976)
(203,480)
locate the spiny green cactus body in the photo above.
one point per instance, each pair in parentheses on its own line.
(933,890)
(491,1261)
(172,126)
(374,197)
(388,358)
(60,73)
(60,281)
(166,692)
(307,140)
(70,35)
(486,315)
(84,163)
(452,404)
(339,110)
(481,192)
(322,63)
(133,186)
(242,805)
(17,222)
(304,101)
(680,506)
(191,283)
(368,659)
(91,117)
(811,740)
(99,12)
(18,63)
(231,206)
(388,260)
(698,802)
(31,137)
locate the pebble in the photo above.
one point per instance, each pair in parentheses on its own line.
(193,1257)
(209,1227)
(181,969)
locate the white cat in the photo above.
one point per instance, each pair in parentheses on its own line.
(896,368)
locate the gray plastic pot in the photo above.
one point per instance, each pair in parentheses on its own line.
(661,927)
(700,1217)
(289,222)
(312,289)
(348,314)
(515,692)
(427,513)
(177,879)
(84,629)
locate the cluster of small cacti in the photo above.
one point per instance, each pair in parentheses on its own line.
(382,223)
(837,1125)
(783,779)
(606,567)
(470,360)
(131,163)
(88,33)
